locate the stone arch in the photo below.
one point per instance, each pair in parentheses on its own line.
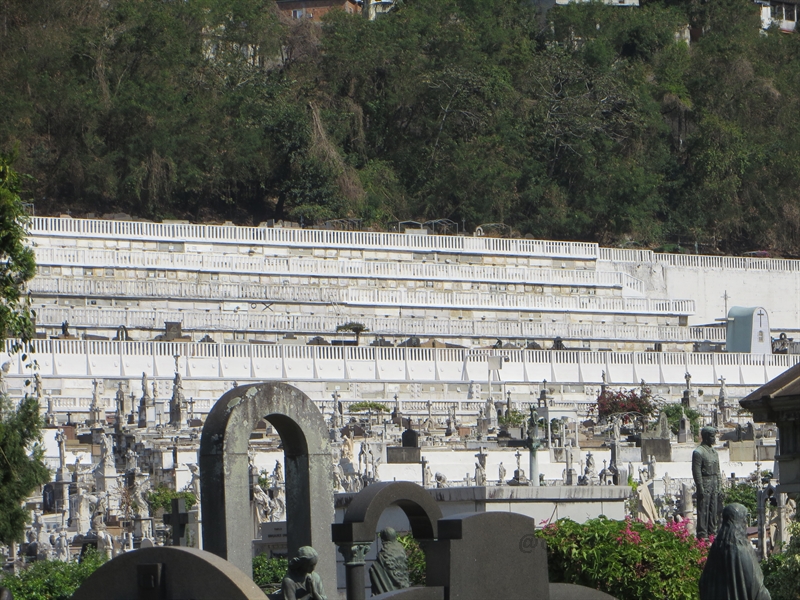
(361,518)
(356,533)
(224,469)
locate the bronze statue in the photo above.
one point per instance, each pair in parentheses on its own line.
(708,480)
(301,582)
(390,569)
(732,571)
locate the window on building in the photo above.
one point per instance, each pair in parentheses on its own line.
(297,14)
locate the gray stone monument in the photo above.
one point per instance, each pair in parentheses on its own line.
(224,483)
(168,573)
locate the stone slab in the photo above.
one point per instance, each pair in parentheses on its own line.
(766,453)
(168,573)
(399,455)
(568,591)
(488,555)
(742,451)
(629,454)
(414,593)
(660,448)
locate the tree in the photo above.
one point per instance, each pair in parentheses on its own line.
(17,263)
(21,456)
(357,328)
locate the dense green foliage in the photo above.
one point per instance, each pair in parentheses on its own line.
(367,406)
(628,559)
(782,570)
(674,413)
(52,579)
(17,263)
(162,497)
(416,559)
(744,494)
(590,123)
(268,573)
(22,467)
(512,418)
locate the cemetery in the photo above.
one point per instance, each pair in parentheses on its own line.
(215,394)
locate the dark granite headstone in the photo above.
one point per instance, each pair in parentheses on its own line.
(168,573)
(397,454)
(410,439)
(489,555)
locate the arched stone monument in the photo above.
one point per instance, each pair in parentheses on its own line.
(166,574)
(356,533)
(224,464)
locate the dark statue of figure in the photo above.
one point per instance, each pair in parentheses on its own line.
(390,570)
(301,582)
(732,571)
(708,480)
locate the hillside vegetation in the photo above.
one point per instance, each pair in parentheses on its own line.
(590,123)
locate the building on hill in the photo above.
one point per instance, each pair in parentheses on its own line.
(314,10)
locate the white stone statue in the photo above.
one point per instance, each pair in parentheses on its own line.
(4,369)
(194,484)
(262,502)
(277,474)
(62,547)
(501,472)
(348,448)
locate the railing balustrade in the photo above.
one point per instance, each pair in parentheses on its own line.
(254,292)
(258,322)
(241,362)
(286,266)
(178,232)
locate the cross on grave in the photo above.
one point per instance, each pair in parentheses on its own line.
(178,520)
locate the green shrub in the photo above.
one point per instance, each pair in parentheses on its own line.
(513,418)
(52,579)
(268,573)
(745,494)
(363,406)
(416,559)
(162,497)
(782,571)
(628,559)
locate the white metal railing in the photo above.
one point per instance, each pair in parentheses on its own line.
(90,228)
(259,322)
(135,230)
(235,263)
(62,358)
(700,261)
(154,288)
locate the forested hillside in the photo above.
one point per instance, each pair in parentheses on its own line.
(591,123)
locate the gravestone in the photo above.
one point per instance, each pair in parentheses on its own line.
(178,519)
(168,573)
(409,450)
(224,469)
(470,556)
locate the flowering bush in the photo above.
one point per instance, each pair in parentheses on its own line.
(622,401)
(627,559)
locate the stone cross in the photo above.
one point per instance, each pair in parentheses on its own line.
(178,520)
